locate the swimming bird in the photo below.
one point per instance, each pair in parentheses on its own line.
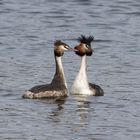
(58,86)
(81,84)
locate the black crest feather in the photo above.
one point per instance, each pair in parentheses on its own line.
(86,40)
(59,42)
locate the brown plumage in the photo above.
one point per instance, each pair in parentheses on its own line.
(97,90)
(58,86)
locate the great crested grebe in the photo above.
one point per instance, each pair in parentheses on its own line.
(58,86)
(81,84)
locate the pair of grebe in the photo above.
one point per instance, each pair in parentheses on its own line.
(58,86)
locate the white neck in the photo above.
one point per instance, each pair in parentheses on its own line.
(80,85)
(82,71)
(59,68)
(59,62)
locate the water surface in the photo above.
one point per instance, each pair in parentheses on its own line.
(27,32)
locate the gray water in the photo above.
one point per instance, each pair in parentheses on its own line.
(28,29)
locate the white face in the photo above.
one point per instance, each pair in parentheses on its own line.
(64,48)
(86,46)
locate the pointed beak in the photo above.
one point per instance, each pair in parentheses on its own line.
(73,49)
(70,49)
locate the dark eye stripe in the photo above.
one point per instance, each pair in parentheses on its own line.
(66,47)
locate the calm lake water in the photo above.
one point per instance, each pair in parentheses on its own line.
(28,29)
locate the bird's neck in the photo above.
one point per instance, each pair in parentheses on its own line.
(80,85)
(82,72)
(59,76)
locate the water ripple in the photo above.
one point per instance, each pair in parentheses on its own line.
(27,33)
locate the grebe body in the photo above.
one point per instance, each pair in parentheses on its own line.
(81,84)
(58,86)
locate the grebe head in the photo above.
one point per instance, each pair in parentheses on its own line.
(84,48)
(60,47)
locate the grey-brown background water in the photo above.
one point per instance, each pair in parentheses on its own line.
(28,29)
